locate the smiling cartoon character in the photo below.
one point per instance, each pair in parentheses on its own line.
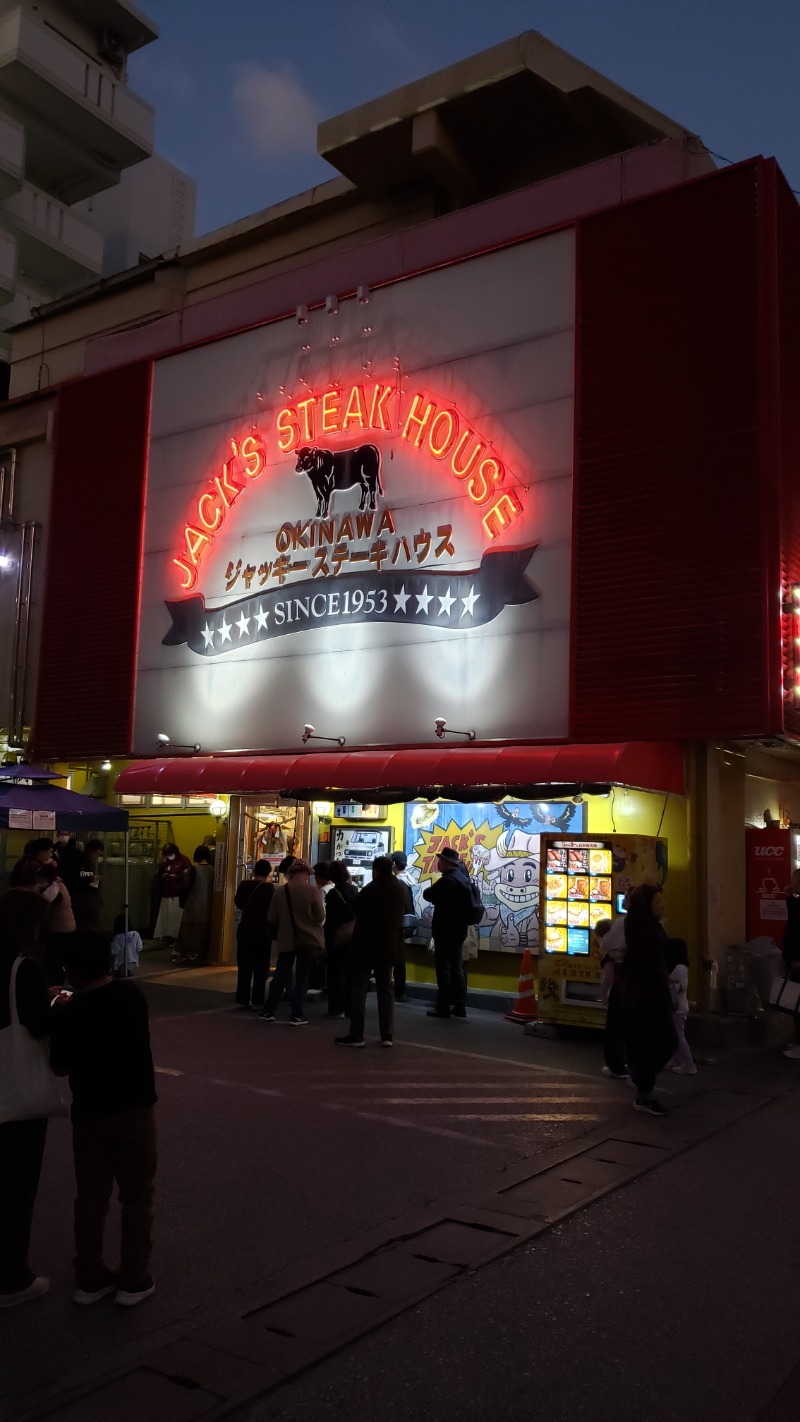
(514,867)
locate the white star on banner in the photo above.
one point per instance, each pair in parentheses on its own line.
(423,599)
(261,618)
(469,602)
(244,625)
(208,635)
(224,630)
(445,603)
(400,599)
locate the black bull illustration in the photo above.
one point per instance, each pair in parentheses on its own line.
(343,469)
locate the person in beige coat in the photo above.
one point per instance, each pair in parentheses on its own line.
(297,913)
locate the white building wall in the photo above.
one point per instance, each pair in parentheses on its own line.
(150,211)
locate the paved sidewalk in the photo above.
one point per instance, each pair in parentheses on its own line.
(673,1300)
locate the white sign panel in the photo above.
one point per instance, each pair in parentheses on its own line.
(364,522)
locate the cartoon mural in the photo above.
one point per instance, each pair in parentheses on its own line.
(500,845)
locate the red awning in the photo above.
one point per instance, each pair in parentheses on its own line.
(316,774)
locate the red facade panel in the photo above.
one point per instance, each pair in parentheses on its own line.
(788,304)
(670,590)
(88,649)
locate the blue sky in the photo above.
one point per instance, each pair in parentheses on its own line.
(240,87)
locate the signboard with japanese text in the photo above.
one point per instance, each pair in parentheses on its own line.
(364,521)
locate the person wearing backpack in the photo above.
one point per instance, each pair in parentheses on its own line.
(453,911)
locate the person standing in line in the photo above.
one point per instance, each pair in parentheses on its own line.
(645,998)
(253,936)
(22,919)
(210,844)
(376,945)
(682,1061)
(171,882)
(400,868)
(86,900)
(100,1039)
(339,920)
(450,897)
(38,872)
(791,951)
(297,913)
(613,943)
(195,930)
(346,894)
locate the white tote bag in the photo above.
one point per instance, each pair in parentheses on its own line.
(28,1086)
(785,994)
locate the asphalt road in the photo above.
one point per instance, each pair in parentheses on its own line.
(672,1300)
(276,1147)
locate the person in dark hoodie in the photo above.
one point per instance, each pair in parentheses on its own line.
(450,897)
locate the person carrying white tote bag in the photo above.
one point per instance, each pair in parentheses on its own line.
(29,1092)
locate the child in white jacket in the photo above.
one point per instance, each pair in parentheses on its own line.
(681,1061)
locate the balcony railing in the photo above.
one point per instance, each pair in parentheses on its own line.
(55,249)
(12,155)
(83,125)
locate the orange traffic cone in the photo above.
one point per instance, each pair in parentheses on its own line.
(524,1009)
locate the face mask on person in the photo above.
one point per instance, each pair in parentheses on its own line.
(170,857)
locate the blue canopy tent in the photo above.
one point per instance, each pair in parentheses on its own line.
(29,788)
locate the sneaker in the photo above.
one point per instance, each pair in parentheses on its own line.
(689,1070)
(129,1298)
(266,1016)
(298,1021)
(349,1041)
(334,1016)
(434,1012)
(617,1075)
(33,1290)
(653,1108)
(101,1290)
(793,1052)
(314,992)
(387,1042)
(459,1010)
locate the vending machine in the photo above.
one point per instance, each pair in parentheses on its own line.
(584,878)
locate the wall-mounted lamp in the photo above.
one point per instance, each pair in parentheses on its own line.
(440,729)
(332,305)
(302,315)
(218,808)
(322,809)
(105,764)
(577,798)
(6,562)
(309,734)
(363,295)
(164,740)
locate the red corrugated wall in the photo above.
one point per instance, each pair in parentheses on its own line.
(88,647)
(673,483)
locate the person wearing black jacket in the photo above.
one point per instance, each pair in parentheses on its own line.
(374,948)
(451,907)
(100,1039)
(253,936)
(338,914)
(22,919)
(644,995)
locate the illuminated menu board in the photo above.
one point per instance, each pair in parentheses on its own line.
(577,894)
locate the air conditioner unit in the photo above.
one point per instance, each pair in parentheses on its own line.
(111,48)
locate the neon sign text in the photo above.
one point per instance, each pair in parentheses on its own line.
(247,461)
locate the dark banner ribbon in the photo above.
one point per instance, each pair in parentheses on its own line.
(418,598)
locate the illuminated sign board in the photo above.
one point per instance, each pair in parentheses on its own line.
(365,551)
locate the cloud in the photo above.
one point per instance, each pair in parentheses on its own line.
(276,112)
